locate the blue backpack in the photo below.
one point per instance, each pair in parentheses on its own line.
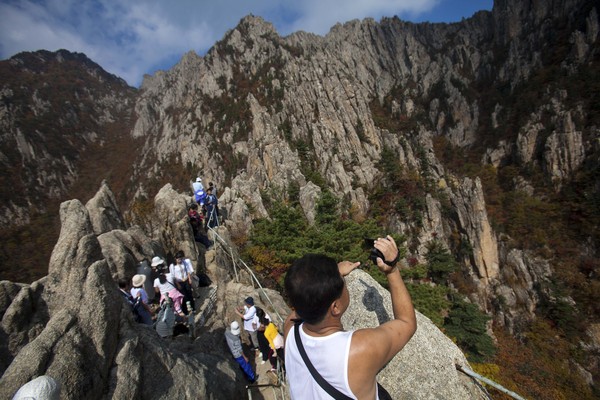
(199,196)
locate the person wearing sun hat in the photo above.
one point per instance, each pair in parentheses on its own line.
(138,290)
(232,336)
(157,262)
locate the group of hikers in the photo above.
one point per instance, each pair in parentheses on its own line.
(172,287)
(266,343)
(322,360)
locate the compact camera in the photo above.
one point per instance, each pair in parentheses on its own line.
(369,244)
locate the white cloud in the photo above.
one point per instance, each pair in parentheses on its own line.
(318,16)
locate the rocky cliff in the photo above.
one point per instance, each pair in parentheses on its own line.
(74,326)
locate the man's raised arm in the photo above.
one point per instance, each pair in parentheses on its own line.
(385,341)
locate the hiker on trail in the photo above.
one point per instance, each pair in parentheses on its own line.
(134,302)
(263,343)
(212,215)
(182,272)
(157,264)
(247,313)
(199,193)
(165,285)
(196,220)
(138,290)
(144,269)
(275,340)
(166,319)
(232,336)
(347,361)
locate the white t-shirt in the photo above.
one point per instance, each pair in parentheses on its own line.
(249,314)
(165,287)
(181,271)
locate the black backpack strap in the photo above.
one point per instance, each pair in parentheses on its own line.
(326,386)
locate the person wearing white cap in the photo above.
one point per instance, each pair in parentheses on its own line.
(138,290)
(157,262)
(198,189)
(232,336)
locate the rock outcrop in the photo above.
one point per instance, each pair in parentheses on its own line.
(474,225)
(104,211)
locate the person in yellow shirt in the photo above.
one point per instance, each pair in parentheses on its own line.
(275,343)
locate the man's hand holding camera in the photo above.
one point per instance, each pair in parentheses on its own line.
(388,249)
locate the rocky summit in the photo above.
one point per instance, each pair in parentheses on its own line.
(74,326)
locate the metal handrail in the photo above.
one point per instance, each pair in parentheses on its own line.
(224,243)
(488,381)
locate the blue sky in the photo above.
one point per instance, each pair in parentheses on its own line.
(130,38)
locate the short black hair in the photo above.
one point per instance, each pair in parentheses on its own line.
(312,283)
(123,283)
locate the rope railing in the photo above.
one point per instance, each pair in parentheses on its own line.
(501,388)
(236,259)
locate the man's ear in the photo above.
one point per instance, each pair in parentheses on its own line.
(335,308)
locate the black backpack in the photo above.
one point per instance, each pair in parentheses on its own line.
(135,305)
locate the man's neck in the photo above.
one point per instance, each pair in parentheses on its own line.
(324,328)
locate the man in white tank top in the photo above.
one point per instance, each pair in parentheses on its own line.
(348,361)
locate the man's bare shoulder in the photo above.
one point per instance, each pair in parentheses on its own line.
(380,343)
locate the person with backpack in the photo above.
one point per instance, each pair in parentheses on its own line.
(138,291)
(212,215)
(197,223)
(183,272)
(166,319)
(134,302)
(261,320)
(199,194)
(165,286)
